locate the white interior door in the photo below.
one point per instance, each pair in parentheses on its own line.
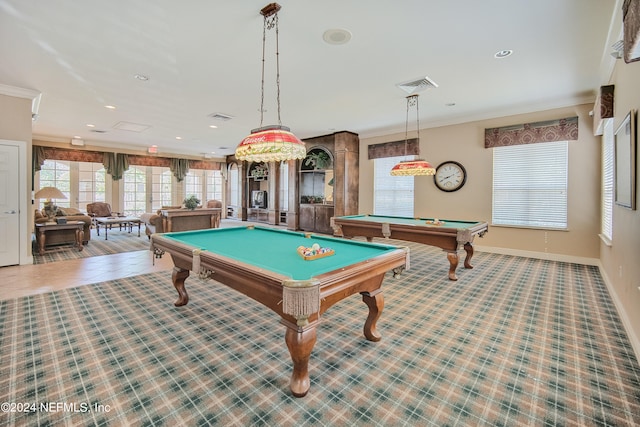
(9,206)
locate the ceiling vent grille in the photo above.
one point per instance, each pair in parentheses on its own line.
(131,127)
(221,116)
(417,85)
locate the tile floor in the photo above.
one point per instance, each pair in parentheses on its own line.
(22,280)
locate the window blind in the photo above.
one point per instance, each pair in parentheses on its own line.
(607,180)
(530,185)
(392,195)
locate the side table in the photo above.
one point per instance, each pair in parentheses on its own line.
(41,230)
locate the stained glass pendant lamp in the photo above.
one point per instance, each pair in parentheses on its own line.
(416,167)
(271,143)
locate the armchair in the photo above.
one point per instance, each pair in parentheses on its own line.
(100,210)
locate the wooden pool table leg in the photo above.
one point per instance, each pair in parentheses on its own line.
(468,247)
(453,264)
(375,302)
(300,343)
(178,276)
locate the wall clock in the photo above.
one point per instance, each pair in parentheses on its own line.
(450,176)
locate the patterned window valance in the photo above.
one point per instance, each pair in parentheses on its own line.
(531,133)
(411,147)
(53,153)
(116,164)
(180,168)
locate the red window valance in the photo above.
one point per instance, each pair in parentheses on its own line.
(531,133)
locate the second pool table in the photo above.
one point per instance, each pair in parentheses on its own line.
(263,264)
(450,235)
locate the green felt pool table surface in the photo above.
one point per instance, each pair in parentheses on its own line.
(276,249)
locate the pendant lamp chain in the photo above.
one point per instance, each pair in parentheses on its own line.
(411,101)
(270,22)
(412,167)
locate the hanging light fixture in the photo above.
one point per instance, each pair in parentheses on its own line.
(416,167)
(274,142)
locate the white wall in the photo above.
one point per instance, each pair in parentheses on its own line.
(464,143)
(621,260)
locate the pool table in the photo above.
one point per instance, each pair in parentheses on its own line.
(264,264)
(449,235)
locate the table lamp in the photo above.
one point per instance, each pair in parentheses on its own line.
(49,193)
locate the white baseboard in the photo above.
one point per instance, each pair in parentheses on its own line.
(539,255)
(628,326)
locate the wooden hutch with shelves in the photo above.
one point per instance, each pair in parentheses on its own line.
(323,185)
(328,182)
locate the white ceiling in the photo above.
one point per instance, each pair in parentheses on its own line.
(204,57)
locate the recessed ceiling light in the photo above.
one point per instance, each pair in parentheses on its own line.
(89,125)
(141,77)
(337,36)
(178,137)
(110,107)
(213,126)
(503,53)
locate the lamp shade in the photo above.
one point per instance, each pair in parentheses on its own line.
(49,193)
(413,168)
(271,144)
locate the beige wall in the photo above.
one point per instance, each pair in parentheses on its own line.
(464,143)
(621,260)
(15,125)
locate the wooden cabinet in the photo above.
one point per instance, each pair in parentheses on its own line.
(334,186)
(327,185)
(316,217)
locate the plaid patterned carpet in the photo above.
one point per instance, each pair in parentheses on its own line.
(119,241)
(515,341)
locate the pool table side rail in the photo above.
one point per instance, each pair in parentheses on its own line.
(446,238)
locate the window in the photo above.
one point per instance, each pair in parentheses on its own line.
(204,184)
(91,184)
(160,187)
(530,185)
(392,195)
(214,185)
(234,185)
(56,173)
(194,184)
(284,186)
(135,191)
(607,181)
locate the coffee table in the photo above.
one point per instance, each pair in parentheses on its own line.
(108,222)
(42,229)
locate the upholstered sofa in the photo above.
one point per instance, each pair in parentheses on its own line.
(56,237)
(156,222)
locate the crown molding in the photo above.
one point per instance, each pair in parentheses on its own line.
(19,92)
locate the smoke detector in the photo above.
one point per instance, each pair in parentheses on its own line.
(417,85)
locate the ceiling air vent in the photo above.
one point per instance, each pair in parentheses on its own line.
(98,131)
(221,116)
(417,85)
